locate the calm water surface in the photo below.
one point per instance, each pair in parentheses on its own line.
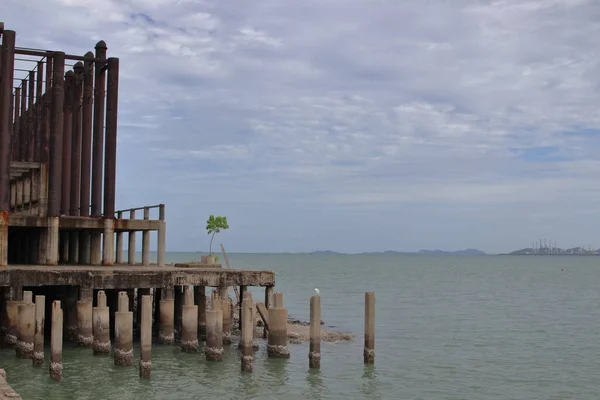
(492,327)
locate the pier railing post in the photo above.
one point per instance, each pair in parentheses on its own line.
(119,249)
(369,350)
(7,60)
(162,237)
(131,245)
(56,342)
(146,240)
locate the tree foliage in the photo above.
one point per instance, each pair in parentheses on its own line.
(215,225)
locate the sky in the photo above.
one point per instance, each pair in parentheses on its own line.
(349,125)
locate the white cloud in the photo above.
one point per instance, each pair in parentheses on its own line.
(342,106)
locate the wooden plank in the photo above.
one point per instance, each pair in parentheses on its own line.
(235,288)
(263,312)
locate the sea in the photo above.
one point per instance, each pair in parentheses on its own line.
(447,328)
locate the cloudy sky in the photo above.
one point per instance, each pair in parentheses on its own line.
(350,125)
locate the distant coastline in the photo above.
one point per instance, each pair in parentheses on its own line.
(466,252)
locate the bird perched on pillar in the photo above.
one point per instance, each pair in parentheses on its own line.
(317,291)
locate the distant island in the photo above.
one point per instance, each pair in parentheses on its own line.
(555,251)
(466,252)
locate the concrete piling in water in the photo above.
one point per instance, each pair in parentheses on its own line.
(56,342)
(85,333)
(277,342)
(214,330)
(200,301)
(123,332)
(146,337)
(226,308)
(247,333)
(166,333)
(70,312)
(12,311)
(101,326)
(189,323)
(369,351)
(314,353)
(268,304)
(40,322)
(25,326)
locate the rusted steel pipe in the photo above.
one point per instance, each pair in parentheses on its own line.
(38,110)
(98,140)
(17,125)
(56,134)
(46,112)
(43,53)
(23,137)
(8,64)
(86,136)
(76,143)
(31,117)
(110,150)
(67,143)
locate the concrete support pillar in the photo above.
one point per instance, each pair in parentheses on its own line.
(85,246)
(189,323)
(369,350)
(70,312)
(85,336)
(74,247)
(226,307)
(268,304)
(123,332)
(277,343)
(25,326)
(40,322)
(314,352)
(12,312)
(178,309)
(108,251)
(146,241)
(63,247)
(166,333)
(56,342)
(53,241)
(131,245)
(214,330)
(119,249)
(101,325)
(146,337)
(247,333)
(138,312)
(95,248)
(43,247)
(200,300)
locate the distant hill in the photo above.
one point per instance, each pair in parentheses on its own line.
(466,252)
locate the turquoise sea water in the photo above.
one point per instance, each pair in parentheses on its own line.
(482,327)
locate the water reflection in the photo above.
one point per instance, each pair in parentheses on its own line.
(316,387)
(371,382)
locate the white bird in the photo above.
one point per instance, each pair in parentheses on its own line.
(317,291)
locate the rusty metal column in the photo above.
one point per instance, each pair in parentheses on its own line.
(31,118)
(110,150)
(7,64)
(56,135)
(23,131)
(86,155)
(17,125)
(65,203)
(46,114)
(75,160)
(38,111)
(97,150)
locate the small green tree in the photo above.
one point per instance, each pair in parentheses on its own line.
(215,225)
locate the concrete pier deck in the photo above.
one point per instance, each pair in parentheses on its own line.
(127,276)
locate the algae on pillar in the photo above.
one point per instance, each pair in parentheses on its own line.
(101,326)
(277,343)
(40,321)
(214,330)
(56,342)
(123,332)
(146,337)
(189,323)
